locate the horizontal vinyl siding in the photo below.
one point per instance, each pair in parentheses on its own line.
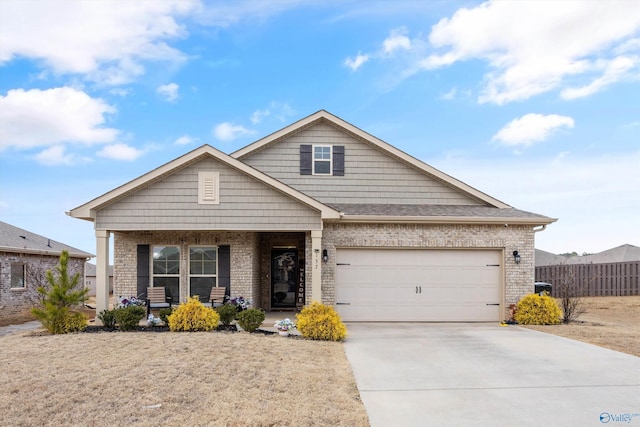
(371,176)
(172,204)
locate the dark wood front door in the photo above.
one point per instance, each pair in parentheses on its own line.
(284,277)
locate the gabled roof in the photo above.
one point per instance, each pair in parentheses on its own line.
(623,253)
(14,239)
(87,211)
(325,116)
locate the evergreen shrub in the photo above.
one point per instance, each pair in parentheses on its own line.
(108,318)
(227,313)
(128,318)
(193,316)
(535,309)
(321,322)
(250,319)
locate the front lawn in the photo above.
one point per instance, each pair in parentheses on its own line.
(202,378)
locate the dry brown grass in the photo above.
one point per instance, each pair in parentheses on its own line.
(611,322)
(215,378)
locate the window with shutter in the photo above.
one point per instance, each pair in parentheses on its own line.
(322,160)
(208,188)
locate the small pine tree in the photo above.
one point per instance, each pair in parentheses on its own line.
(58,312)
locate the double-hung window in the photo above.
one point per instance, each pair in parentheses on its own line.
(202,270)
(322,160)
(166,270)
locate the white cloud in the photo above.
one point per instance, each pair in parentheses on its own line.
(228,132)
(55,156)
(281,111)
(614,70)
(258,115)
(536,46)
(357,62)
(397,40)
(33,118)
(120,152)
(104,43)
(185,140)
(118,91)
(531,128)
(169,91)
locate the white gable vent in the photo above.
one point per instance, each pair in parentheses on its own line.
(208,188)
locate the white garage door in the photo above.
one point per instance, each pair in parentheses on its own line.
(418,285)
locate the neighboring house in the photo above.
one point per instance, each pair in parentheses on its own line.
(90,278)
(24,259)
(614,272)
(317,211)
(622,253)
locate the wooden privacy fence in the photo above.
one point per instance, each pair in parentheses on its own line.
(594,280)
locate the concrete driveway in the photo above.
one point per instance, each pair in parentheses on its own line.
(427,374)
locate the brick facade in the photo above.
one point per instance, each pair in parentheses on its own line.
(244,258)
(17,301)
(518,278)
(251,256)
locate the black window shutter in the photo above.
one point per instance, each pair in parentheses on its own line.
(338,160)
(224,267)
(143,271)
(306,159)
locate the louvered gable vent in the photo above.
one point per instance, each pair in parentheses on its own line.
(208,188)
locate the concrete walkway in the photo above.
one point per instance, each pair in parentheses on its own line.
(28,326)
(488,375)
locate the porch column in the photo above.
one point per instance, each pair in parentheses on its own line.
(102,270)
(316,265)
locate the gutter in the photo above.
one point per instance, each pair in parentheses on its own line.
(84,255)
(543,222)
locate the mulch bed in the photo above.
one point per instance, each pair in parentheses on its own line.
(92,329)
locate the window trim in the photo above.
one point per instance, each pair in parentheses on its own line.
(189,275)
(153,275)
(314,160)
(23,267)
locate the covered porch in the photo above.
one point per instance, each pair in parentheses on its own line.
(276,271)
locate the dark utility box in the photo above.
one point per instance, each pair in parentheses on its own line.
(543,287)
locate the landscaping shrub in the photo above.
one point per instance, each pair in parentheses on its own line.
(108,318)
(321,322)
(250,319)
(192,316)
(59,312)
(129,317)
(227,313)
(164,314)
(534,309)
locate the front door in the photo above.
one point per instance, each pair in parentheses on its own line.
(284,277)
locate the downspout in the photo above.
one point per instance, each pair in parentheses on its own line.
(544,227)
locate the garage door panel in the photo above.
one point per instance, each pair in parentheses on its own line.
(418,285)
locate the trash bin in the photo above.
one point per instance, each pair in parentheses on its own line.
(542,287)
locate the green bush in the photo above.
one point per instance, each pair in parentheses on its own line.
(129,317)
(192,316)
(321,322)
(108,318)
(227,313)
(250,319)
(58,312)
(534,309)
(164,314)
